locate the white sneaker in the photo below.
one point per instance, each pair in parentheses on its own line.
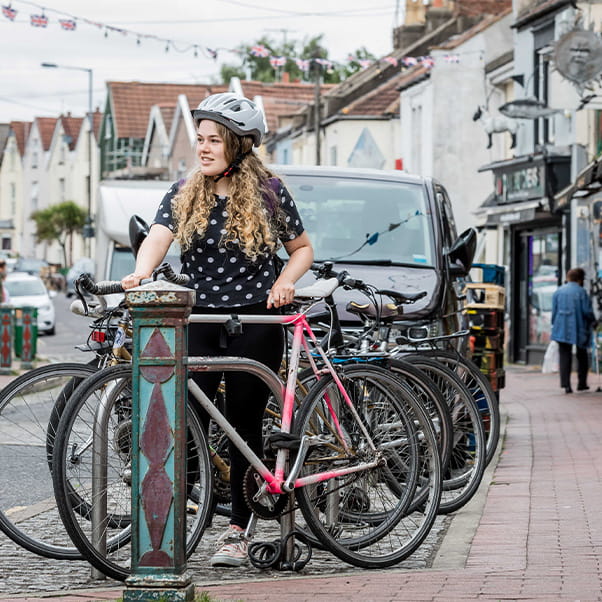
(232,549)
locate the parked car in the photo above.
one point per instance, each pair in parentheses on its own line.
(30,265)
(27,290)
(84,265)
(9,259)
(387,228)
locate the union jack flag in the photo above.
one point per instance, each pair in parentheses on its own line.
(68,24)
(9,12)
(260,51)
(324,62)
(39,20)
(391,60)
(364,63)
(409,61)
(212,53)
(452,58)
(277,61)
(303,64)
(351,58)
(427,61)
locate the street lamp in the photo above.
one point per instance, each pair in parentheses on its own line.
(88,231)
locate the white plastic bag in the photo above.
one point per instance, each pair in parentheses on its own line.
(550,358)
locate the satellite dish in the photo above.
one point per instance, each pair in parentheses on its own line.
(527,108)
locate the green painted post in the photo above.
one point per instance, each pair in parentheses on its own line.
(160,313)
(29,336)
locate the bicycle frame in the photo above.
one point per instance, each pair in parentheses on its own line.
(276,483)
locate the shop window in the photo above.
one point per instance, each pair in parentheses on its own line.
(544,261)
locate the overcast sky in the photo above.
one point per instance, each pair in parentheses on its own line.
(28,90)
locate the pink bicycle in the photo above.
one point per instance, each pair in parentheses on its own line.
(357,455)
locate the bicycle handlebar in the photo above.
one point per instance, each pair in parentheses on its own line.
(325,270)
(106,287)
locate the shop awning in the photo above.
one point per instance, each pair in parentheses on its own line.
(587,182)
(510,213)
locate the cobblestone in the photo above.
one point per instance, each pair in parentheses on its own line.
(22,572)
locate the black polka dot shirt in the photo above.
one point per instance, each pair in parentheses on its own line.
(223,276)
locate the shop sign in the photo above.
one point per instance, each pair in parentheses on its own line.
(512,217)
(520,184)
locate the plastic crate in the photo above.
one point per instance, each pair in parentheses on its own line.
(488,272)
(496,378)
(488,361)
(485,320)
(485,295)
(486,340)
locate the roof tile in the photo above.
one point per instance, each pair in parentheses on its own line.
(46,127)
(21,131)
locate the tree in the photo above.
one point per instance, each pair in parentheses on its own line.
(59,223)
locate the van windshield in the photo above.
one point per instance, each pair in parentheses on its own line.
(364,220)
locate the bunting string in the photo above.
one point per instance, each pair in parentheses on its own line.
(69,22)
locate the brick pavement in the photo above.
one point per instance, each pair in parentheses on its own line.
(536,535)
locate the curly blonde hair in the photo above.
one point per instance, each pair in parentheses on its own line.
(250,224)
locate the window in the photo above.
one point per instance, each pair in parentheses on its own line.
(364,220)
(34,160)
(34,195)
(62,189)
(333,155)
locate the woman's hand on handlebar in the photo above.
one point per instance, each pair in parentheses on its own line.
(132,280)
(281,293)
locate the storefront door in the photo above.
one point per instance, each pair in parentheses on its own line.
(538,270)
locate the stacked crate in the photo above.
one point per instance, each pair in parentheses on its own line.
(484,308)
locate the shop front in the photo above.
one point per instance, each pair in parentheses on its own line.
(533,231)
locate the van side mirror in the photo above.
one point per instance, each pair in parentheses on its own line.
(138,230)
(461,253)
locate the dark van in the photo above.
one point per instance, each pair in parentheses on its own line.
(387,228)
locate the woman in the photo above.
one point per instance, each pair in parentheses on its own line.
(228,218)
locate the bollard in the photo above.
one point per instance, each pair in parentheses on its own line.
(6,338)
(28,335)
(160,312)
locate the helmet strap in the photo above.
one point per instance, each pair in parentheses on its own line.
(233,167)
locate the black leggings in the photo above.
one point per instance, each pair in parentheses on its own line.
(246,395)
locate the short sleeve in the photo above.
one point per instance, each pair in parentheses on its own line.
(291,224)
(164,215)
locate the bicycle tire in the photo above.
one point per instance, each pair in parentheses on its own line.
(467,463)
(30,408)
(398,424)
(72,473)
(480,388)
(425,390)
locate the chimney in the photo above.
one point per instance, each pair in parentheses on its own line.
(286,77)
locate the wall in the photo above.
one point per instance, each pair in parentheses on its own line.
(11,192)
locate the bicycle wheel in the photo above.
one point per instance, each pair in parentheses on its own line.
(72,471)
(30,408)
(423,388)
(464,471)
(365,518)
(481,391)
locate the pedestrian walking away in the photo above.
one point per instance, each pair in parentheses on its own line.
(572,322)
(229,217)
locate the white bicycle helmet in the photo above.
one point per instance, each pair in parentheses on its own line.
(237,113)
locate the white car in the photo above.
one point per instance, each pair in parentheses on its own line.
(26,290)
